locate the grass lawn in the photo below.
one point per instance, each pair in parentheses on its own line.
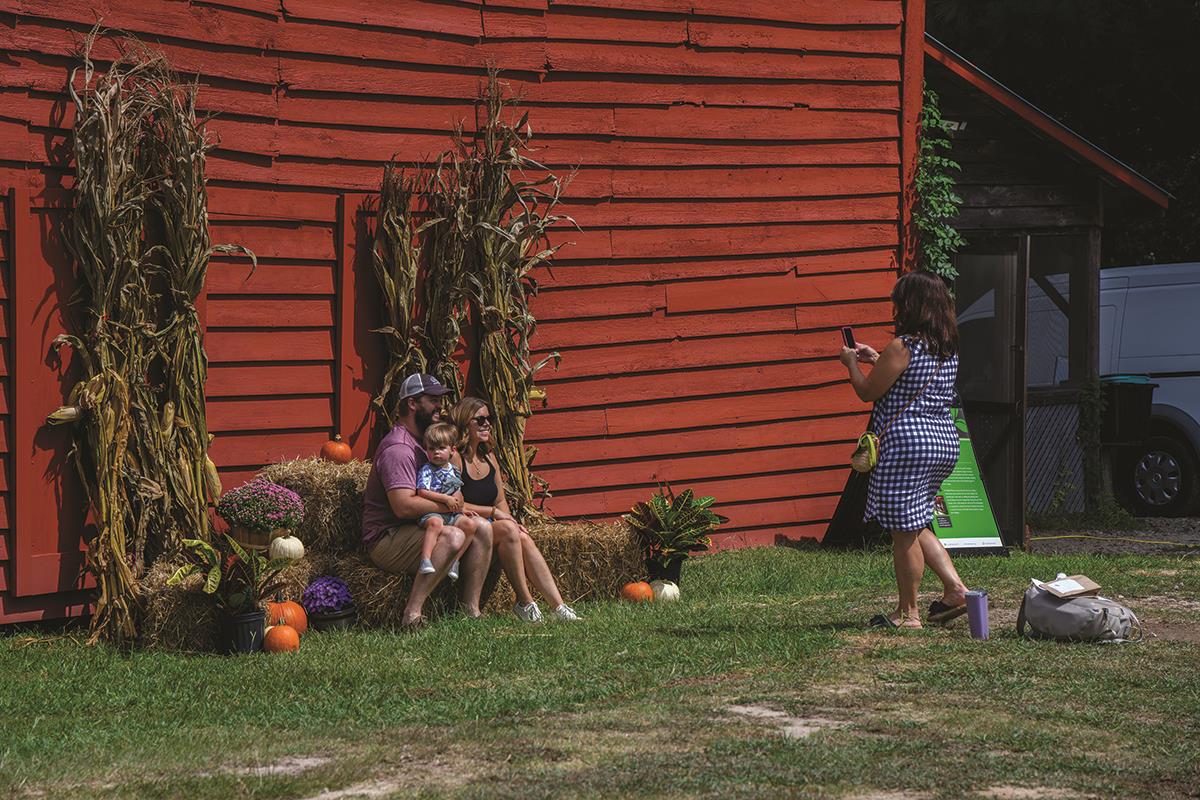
(689,699)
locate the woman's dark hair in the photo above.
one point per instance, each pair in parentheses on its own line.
(925,310)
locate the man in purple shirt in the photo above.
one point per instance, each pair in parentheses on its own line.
(391,507)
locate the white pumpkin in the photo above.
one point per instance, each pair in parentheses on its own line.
(288,547)
(665,590)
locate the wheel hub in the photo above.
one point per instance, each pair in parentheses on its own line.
(1157,478)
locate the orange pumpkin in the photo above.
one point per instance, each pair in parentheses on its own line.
(637,592)
(336,450)
(288,612)
(281,639)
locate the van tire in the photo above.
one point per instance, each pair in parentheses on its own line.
(1159,478)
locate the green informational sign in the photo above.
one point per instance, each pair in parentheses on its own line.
(962,515)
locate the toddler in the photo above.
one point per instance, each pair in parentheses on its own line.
(439,481)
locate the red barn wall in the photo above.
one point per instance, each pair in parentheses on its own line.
(739,190)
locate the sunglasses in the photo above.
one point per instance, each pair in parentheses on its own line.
(483,422)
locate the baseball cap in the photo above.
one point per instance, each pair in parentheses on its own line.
(421,383)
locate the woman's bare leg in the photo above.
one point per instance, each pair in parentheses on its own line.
(910,566)
(954,591)
(506,540)
(539,572)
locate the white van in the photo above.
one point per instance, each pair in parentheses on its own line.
(1150,325)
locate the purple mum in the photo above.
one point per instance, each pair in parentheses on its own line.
(326,595)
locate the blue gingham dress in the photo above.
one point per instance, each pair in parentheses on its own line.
(920,448)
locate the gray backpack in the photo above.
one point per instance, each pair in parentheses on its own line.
(1076,619)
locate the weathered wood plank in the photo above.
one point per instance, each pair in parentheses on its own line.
(274,414)
(678,60)
(269,380)
(233,347)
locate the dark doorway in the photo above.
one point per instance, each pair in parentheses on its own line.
(991,304)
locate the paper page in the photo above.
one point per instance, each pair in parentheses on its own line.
(1066,585)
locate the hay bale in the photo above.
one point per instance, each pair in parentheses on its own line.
(589,560)
(176,618)
(183,618)
(333,501)
(301,573)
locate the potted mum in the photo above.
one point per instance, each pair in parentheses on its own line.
(260,511)
(239,581)
(669,527)
(328,603)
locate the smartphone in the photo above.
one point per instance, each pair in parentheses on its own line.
(848,336)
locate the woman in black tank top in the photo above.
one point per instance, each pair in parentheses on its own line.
(483,493)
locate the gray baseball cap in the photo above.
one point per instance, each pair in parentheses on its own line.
(422,383)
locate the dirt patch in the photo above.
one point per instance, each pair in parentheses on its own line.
(288,766)
(1164,603)
(1152,536)
(1030,793)
(790,726)
(381,788)
(888,796)
(1173,631)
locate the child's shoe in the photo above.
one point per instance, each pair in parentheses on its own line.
(426,567)
(564,611)
(452,574)
(529,613)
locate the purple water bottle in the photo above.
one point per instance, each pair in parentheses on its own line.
(977,613)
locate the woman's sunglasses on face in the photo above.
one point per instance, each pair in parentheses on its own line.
(483,422)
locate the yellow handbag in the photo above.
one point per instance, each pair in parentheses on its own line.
(867,455)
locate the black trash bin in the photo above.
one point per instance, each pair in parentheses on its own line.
(1127,400)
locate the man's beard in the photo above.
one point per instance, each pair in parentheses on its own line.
(424,420)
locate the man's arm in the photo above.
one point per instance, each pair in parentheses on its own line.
(406,504)
(441,498)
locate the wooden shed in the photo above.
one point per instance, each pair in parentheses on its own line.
(1035,196)
(739,189)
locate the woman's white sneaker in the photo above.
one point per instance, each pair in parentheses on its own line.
(529,613)
(564,611)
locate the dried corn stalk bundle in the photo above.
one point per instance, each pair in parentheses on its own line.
(512,213)
(396,256)
(141,439)
(447,277)
(106,240)
(175,146)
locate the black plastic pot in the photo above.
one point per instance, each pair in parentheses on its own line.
(665,572)
(241,633)
(337,620)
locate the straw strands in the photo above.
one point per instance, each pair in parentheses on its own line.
(140,434)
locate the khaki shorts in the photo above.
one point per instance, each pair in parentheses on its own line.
(399,550)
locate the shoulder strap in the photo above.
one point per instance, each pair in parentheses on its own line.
(913,399)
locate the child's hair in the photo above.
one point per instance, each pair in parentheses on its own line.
(441,434)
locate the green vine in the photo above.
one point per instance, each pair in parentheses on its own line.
(936,202)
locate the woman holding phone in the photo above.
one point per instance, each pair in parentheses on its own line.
(912,388)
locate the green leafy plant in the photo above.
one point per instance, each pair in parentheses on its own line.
(936,202)
(672,525)
(238,579)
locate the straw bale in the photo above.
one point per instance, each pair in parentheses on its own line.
(333,501)
(183,619)
(589,560)
(176,618)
